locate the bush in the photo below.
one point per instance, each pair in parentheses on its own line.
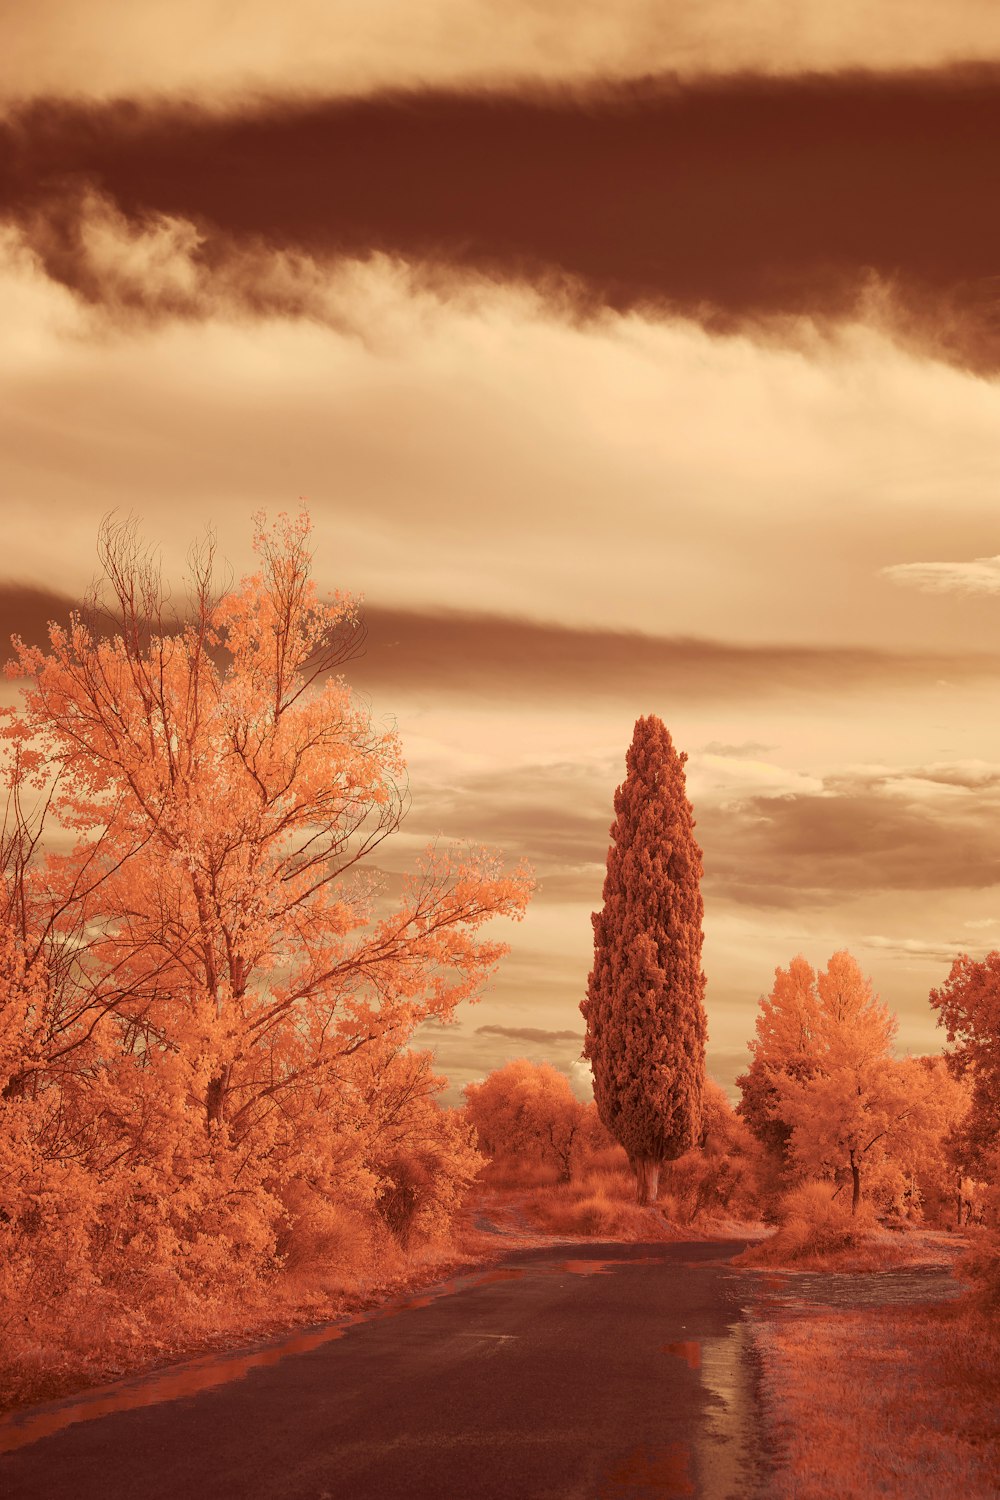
(815,1221)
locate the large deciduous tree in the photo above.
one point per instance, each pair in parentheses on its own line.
(205,997)
(644,1010)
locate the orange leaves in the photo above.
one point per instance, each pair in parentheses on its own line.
(214,1023)
(968,1006)
(824,1074)
(528,1110)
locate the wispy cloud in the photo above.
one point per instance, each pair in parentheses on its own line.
(746,750)
(480,657)
(980,576)
(535,1034)
(920,949)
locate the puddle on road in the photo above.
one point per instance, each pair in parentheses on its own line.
(726,1453)
(605,1267)
(589,1267)
(17,1430)
(502,1273)
(687,1350)
(651,1474)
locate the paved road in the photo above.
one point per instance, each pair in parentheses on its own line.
(582,1373)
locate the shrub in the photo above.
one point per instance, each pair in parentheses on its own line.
(816,1221)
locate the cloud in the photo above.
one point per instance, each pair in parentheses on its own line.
(464,444)
(530,1034)
(915,782)
(581,1078)
(981,576)
(843,175)
(858,836)
(748,749)
(104,49)
(920,950)
(457,655)
(727,779)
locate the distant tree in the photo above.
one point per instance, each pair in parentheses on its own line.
(787,1041)
(721,1174)
(932,1153)
(968,1006)
(528,1109)
(645,1018)
(845,1107)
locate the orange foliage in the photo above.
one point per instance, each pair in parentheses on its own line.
(822,1071)
(722,1175)
(205,1004)
(969,1008)
(529,1111)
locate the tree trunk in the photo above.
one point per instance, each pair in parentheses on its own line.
(215,1098)
(647,1179)
(856,1195)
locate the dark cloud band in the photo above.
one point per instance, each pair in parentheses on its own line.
(480,656)
(729,199)
(534,1034)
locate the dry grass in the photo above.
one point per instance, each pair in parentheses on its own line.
(819,1233)
(898,1402)
(599,1203)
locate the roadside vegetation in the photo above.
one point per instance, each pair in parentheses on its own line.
(899,1401)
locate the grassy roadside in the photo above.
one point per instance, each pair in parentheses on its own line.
(894,1401)
(95,1348)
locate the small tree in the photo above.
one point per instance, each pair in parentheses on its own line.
(844,1105)
(528,1109)
(968,1006)
(646,1022)
(786,1042)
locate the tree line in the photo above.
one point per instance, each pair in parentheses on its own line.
(824,1098)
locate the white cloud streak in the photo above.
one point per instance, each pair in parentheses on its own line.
(980,576)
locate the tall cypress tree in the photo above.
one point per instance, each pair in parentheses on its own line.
(644,1009)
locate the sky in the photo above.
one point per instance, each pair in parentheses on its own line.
(630,359)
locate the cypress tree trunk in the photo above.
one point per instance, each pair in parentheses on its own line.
(645,1017)
(647,1180)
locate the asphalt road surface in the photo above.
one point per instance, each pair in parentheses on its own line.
(591,1372)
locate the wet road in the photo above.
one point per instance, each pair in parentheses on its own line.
(582,1373)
